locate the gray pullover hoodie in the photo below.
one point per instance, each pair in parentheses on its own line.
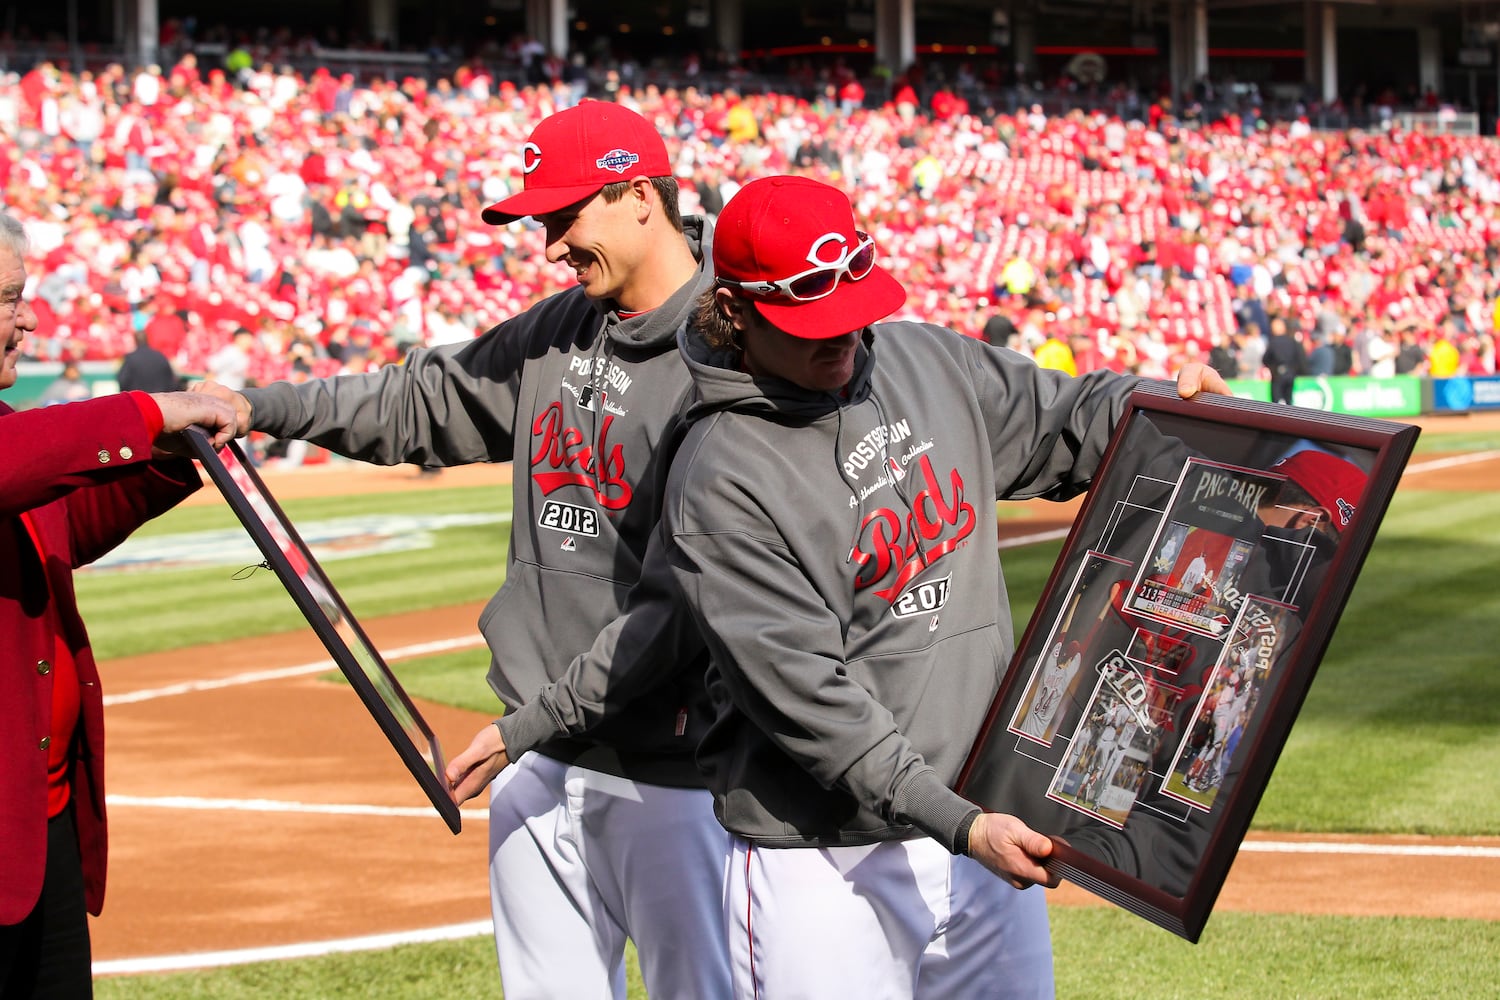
(584,401)
(838,554)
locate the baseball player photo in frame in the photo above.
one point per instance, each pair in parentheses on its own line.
(356,657)
(1175,640)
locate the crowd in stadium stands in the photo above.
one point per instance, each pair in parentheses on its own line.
(260,225)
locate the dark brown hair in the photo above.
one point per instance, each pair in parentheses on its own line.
(666,190)
(711,323)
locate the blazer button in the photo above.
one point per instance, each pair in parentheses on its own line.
(45,743)
(43,667)
(103,457)
(126,453)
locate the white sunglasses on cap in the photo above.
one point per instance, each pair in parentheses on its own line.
(816,282)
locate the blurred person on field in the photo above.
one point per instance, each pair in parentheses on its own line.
(230,365)
(67,387)
(1321,359)
(1249,350)
(75,481)
(1055,353)
(846,699)
(1443,360)
(146,369)
(1221,356)
(1285,358)
(1411,357)
(592,840)
(999,328)
(1379,352)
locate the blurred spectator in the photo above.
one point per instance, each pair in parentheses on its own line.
(1379,352)
(1018,277)
(999,329)
(67,387)
(1222,359)
(1249,350)
(147,369)
(230,364)
(1054,353)
(1443,356)
(1285,358)
(1411,359)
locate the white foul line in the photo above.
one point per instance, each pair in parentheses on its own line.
(276,806)
(1388,850)
(310,949)
(256,676)
(1436,464)
(1040,536)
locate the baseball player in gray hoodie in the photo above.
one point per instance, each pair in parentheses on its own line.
(828,518)
(599,837)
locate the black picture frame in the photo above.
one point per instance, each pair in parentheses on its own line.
(1174,643)
(353,652)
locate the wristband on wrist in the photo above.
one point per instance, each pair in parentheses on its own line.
(961,840)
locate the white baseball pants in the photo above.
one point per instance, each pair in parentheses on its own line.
(895,921)
(580,860)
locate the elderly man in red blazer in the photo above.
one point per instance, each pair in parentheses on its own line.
(75,480)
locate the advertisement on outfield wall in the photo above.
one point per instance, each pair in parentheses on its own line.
(1362,396)
(1400,396)
(1466,393)
(1250,388)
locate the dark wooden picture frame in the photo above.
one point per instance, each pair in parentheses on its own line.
(357,658)
(1158,679)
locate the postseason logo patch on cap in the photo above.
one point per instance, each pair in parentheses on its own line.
(618,160)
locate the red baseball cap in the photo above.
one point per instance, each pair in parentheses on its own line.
(576,152)
(1336,484)
(792,227)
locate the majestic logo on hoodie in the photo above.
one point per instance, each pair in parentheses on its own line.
(895,546)
(564,456)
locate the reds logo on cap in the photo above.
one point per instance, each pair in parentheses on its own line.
(618,160)
(531,157)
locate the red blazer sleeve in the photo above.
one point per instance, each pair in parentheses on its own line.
(96,453)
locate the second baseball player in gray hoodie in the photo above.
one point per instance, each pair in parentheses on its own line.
(830,515)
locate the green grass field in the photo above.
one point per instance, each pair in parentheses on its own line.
(1400,733)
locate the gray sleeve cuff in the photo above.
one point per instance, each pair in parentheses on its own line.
(266,411)
(934,808)
(526,727)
